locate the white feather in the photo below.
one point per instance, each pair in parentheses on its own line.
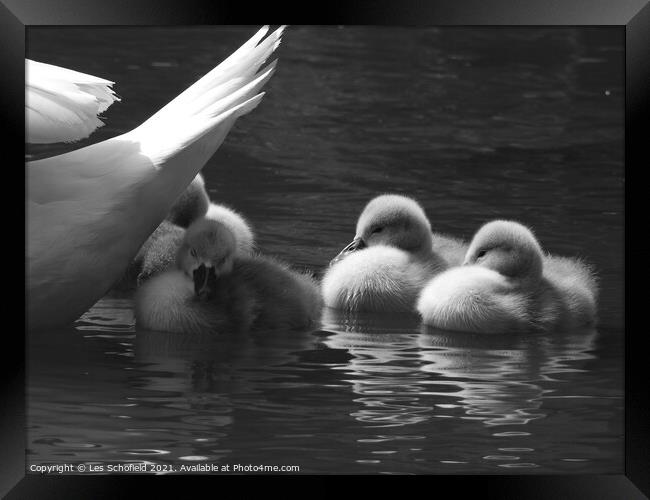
(90,210)
(62,105)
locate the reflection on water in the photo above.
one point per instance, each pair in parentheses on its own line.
(363,394)
(384,370)
(476,124)
(495,378)
(499,376)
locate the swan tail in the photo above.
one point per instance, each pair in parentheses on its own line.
(234,72)
(63,105)
(201,116)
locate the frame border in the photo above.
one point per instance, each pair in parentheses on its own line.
(631,15)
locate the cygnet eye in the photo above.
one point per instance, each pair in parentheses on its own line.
(481,254)
(193,253)
(377,230)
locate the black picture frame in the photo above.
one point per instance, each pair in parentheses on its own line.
(631,15)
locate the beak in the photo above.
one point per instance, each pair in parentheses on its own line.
(353,246)
(205,280)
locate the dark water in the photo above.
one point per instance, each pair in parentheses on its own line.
(476,124)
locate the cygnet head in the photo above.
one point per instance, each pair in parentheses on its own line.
(191,204)
(393,220)
(507,247)
(206,253)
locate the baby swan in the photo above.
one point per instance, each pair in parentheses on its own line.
(191,204)
(195,203)
(159,251)
(215,289)
(241,229)
(389,261)
(507,284)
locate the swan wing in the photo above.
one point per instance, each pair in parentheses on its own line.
(90,210)
(62,105)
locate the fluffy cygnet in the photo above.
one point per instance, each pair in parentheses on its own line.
(159,251)
(507,284)
(213,289)
(237,223)
(191,204)
(392,256)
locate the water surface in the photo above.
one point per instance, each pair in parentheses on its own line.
(476,124)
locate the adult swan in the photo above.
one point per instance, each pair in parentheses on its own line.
(90,210)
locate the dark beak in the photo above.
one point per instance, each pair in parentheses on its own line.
(355,244)
(205,280)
